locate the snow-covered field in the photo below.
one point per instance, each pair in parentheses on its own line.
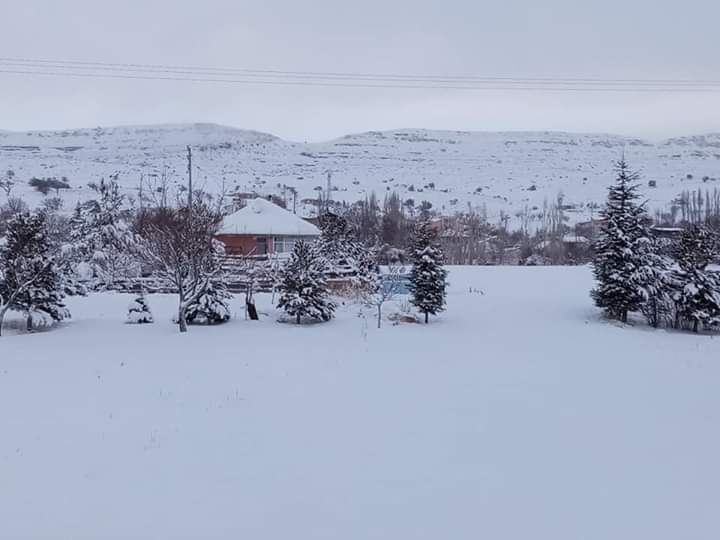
(518,413)
(452,169)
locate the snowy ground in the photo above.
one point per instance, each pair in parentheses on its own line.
(517,414)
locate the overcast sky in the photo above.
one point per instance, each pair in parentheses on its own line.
(515,38)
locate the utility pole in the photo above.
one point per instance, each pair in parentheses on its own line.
(140,189)
(140,196)
(190,188)
(327,195)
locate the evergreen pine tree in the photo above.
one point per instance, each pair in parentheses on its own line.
(30,282)
(428,277)
(345,255)
(211,307)
(618,255)
(102,237)
(368,270)
(303,287)
(334,243)
(653,280)
(696,291)
(139,311)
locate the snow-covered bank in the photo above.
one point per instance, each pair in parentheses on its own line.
(516,414)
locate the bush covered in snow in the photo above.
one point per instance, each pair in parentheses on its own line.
(139,311)
(211,307)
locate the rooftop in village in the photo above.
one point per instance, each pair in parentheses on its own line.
(262,217)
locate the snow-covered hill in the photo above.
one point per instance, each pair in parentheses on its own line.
(451,169)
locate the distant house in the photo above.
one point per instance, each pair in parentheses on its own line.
(263,228)
(589,229)
(567,240)
(240,199)
(570,248)
(672,233)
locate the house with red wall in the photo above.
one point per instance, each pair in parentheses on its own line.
(264,228)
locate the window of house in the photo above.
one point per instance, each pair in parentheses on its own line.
(260,246)
(283,244)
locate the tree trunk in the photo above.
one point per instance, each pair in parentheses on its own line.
(297,318)
(3,310)
(379,314)
(181,319)
(182,307)
(426,317)
(695,326)
(29,323)
(252,311)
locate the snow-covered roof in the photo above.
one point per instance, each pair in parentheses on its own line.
(668,229)
(566,239)
(261,217)
(575,239)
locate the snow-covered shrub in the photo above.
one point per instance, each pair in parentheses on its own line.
(37,319)
(211,307)
(139,311)
(537,259)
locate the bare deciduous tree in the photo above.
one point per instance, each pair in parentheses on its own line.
(179,246)
(386,288)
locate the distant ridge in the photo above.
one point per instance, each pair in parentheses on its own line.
(511,173)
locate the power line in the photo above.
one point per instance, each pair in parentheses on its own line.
(492,83)
(362,85)
(63,64)
(155,72)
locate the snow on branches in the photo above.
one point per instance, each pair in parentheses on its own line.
(178,245)
(345,256)
(139,311)
(303,286)
(102,237)
(30,281)
(428,278)
(695,290)
(619,249)
(633,274)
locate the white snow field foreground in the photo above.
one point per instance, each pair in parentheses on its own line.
(519,413)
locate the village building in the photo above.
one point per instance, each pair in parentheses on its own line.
(670,233)
(589,229)
(262,228)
